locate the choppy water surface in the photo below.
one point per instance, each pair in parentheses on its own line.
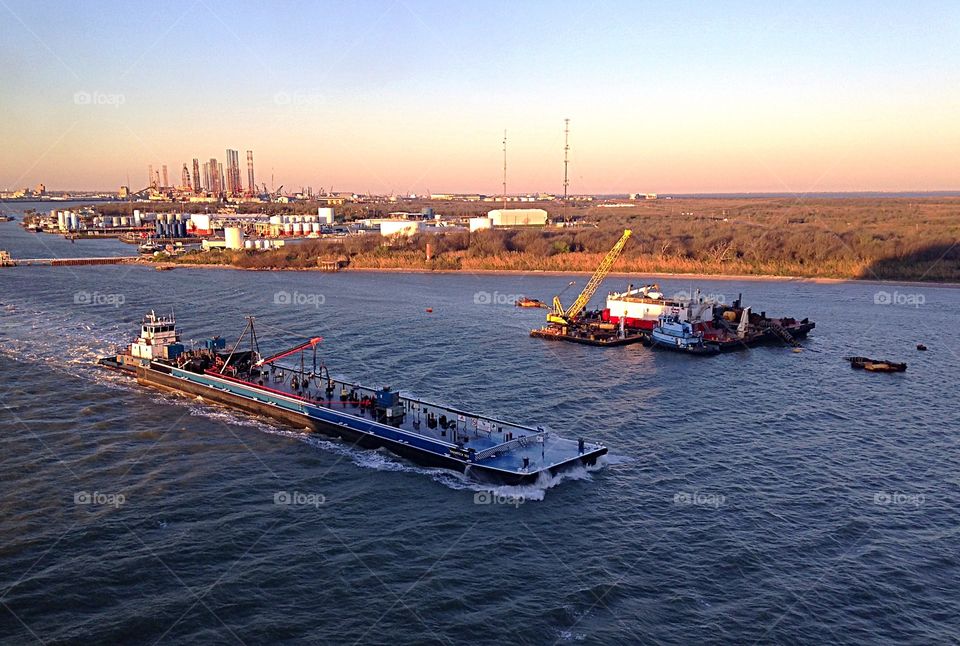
(757,497)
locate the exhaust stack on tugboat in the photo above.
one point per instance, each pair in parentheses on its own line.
(484,448)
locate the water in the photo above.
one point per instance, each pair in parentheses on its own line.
(757,497)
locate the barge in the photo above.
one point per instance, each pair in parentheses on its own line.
(483,448)
(727,327)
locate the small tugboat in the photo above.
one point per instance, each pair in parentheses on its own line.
(303,394)
(529,302)
(673,334)
(150,247)
(876,365)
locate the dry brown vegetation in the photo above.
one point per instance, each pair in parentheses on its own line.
(886,238)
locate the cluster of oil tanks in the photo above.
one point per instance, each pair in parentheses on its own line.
(171,225)
(293,225)
(260,244)
(66,220)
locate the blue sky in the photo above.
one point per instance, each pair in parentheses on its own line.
(414,96)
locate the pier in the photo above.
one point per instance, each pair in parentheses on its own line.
(6,261)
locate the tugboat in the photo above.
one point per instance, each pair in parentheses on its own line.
(673,334)
(484,449)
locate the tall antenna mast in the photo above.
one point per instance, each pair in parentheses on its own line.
(504,169)
(566,164)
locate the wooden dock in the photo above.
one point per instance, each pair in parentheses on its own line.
(6,261)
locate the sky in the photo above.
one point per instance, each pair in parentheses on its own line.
(413,97)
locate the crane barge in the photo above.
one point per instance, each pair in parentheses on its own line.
(570,324)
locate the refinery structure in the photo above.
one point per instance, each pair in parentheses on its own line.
(203,181)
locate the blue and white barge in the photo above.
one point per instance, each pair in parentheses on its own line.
(484,448)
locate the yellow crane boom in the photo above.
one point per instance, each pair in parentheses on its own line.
(563,316)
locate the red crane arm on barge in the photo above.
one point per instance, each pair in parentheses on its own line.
(286,353)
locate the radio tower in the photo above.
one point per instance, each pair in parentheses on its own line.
(566,164)
(504,169)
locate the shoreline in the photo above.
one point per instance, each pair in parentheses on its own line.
(555,273)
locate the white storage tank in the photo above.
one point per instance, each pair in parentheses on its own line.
(288,228)
(276,219)
(116,221)
(248,244)
(61,220)
(297,228)
(233,237)
(325,213)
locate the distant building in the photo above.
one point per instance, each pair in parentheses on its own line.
(517,217)
(251,185)
(476,224)
(196,176)
(40,189)
(124,192)
(232,174)
(401,227)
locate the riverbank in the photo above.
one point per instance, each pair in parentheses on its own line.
(766,278)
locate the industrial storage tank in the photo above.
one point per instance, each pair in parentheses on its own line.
(297,228)
(325,213)
(233,237)
(276,219)
(116,221)
(248,244)
(288,228)
(74,222)
(61,220)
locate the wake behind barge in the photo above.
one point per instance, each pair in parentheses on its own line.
(483,448)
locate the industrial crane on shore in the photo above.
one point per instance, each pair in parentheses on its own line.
(565,317)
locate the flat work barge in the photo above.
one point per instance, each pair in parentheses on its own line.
(483,448)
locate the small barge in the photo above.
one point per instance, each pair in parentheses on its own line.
(876,365)
(529,302)
(483,448)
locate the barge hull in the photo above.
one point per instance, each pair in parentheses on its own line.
(166,382)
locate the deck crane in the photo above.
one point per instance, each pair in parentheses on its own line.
(286,353)
(564,317)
